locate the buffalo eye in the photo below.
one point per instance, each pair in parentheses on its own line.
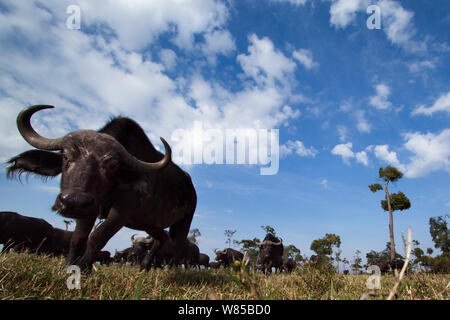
(66,161)
(110,165)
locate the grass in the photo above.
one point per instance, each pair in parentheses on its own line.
(28,276)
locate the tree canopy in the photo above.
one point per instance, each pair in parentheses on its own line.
(324,246)
(269,229)
(440,233)
(193,234)
(390,174)
(398,202)
(292,252)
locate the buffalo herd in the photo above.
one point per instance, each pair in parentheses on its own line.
(117,175)
(19,233)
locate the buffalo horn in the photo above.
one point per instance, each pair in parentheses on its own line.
(31,136)
(141,166)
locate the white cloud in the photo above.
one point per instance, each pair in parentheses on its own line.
(305,57)
(138,23)
(343,12)
(380,101)
(361,157)
(298,148)
(218,42)
(431,153)
(419,66)
(264,63)
(324,183)
(382,152)
(345,151)
(441,104)
(342,132)
(362,124)
(99,75)
(397,22)
(168,58)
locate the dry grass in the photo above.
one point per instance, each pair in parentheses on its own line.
(28,276)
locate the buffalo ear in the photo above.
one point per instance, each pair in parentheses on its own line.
(43,163)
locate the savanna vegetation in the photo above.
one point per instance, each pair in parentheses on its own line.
(30,276)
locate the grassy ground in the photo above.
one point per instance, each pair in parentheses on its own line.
(28,276)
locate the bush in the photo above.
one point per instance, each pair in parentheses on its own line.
(441,264)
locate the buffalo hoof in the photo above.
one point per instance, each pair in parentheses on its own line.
(85,262)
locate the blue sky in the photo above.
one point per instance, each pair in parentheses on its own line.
(345,99)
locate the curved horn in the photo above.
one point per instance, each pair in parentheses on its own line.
(272,242)
(142,166)
(278,243)
(31,136)
(148,240)
(132,238)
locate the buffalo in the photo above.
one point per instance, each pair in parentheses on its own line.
(215,264)
(191,254)
(60,244)
(139,249)
(271,253)
(228,256)
(289,265)
(203,260)
(22,232)
(115,174)
(121,256)
(163,256)
(103,257)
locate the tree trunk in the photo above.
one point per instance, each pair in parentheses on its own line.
(391,223)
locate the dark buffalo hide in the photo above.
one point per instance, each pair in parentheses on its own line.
(115,174)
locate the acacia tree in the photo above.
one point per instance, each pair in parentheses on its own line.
(67,222)
(356,265)
(324,246)
(229,234)
(269,229)
(193,234)
(251,248)
(440,233)
(393,202)
(337,257)
(292,252)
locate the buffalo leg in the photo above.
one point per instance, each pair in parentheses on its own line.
(160,237)
(179,232)
(98,239)
(79,238)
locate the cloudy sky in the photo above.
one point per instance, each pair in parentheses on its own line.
(346,100)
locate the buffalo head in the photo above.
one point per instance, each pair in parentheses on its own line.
(140,246)
(269,249)
(90,163)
